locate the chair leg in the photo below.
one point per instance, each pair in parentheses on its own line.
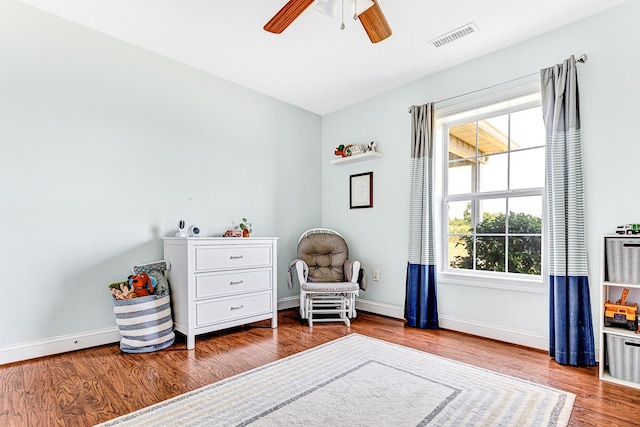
(351,305)
(303,301)
(344,314)
(354,314)
(309,308)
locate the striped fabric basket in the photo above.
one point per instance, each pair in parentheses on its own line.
(145,323)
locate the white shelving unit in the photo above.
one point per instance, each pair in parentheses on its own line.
(612,291)
(357,157)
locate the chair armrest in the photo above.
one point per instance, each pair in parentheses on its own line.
(351,270)
(302,269)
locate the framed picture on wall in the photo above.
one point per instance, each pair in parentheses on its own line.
(361,190)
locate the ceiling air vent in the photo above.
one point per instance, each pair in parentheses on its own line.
(456,34)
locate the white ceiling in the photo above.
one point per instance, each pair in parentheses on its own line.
(313,64)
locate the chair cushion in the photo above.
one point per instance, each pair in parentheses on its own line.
(325,254)
(330,287)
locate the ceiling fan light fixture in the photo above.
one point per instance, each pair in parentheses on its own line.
(333,8)
(368,12)
(327,8)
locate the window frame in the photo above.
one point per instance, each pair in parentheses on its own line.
(516,97)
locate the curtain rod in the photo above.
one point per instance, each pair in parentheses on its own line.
(582,59)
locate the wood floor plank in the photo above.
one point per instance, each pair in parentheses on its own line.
(13,410)
(11,379)
(91,386)
(12,399)
(42,407)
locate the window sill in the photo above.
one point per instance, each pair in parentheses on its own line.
(514,283)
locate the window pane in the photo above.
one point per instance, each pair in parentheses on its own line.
(525,254)
(525,215)
(479,138)
(493,135)
(460,252)
(462,141)
(460,179)
(527,169)
(460,217)
(491,217)
(493,173)
(527,129)
(490,253)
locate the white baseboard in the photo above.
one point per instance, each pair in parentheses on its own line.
(389,310)
(65,343)
(288,302)
(499,333)
(61,344)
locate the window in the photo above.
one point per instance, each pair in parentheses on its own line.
(494,183)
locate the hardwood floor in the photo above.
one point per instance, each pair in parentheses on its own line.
(90,386)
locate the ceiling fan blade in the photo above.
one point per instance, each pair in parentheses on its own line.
(375,24)
(287,15)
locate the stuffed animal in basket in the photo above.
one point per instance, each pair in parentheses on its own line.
(121,290)
(156,270)
(141,284)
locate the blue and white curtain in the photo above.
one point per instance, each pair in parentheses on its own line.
(421,308)
(571,326)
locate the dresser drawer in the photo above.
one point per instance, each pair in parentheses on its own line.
(224,257)
(228,309)
(228,283)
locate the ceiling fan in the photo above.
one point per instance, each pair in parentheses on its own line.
(368,12)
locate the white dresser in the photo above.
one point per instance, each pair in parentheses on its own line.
(220,282)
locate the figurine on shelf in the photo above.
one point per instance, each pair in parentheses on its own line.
(352,150)
(371,147)
(341,150)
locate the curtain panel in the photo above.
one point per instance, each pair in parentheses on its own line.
(421,308)
(570,322)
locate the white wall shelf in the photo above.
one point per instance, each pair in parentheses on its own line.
(357,157)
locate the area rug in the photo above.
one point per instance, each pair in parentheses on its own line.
(362,381)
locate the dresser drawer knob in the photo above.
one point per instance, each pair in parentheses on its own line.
(240,282)
(237,308)
(235,257)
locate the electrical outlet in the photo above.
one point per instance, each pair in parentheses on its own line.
(376,274)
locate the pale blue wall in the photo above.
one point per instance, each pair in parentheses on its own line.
(105,146)
(609,98)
